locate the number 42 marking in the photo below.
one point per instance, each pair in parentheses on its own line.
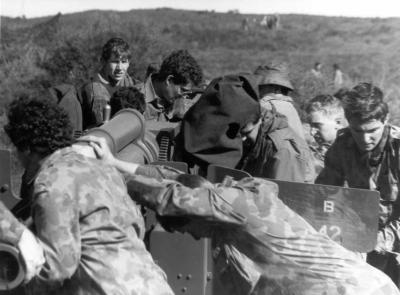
(333,231)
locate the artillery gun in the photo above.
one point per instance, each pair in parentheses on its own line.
(348,216)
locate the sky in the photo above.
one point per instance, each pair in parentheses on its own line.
(357,8)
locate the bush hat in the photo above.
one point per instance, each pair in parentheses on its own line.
(276,74)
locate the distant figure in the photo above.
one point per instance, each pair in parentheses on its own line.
(316,71)
(338,77)
(245,25)
(152,68)
(274,86)
(271,22)
(264,21)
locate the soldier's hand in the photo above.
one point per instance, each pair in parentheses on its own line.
(100,147)
(32,254)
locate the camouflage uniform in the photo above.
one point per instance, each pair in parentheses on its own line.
(272,249)
(10,228)
(90,230)
(380,171)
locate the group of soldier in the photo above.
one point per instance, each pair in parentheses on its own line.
(81,231)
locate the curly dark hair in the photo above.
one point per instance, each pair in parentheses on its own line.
(183,67)
(364,102)
(127,97)
(117,47)
(38,124)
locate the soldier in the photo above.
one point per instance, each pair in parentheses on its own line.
(115,59)
(164,91)
(325,116)
(316,71)
(272,149)
(274,86)
(268,248)
(366,155)
(337,77)
(216,131)
(90,230)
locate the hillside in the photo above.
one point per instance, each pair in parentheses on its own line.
(65,48)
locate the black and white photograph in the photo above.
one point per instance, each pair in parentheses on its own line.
(171,147)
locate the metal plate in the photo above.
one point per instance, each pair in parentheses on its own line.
(348,216)
(185,261)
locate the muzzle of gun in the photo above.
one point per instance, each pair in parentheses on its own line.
(12,271)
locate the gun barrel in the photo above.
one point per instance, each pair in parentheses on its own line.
(12,272)
(126,126)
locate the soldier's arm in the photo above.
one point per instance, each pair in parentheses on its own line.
(128,169)
(10,228)
(158,172)
(56,220)
(332,173)
(169,198)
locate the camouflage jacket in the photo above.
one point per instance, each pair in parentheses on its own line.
(90,230)
(272,245)
(345,163)
(10,228)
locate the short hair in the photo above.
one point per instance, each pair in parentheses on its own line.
(183,68)
(364,102)
(38,124)
(325,103)
(152,68)
(127,97)
(117,47)
(341,93)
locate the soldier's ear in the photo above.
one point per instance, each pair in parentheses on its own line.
(169,80)
(386,120)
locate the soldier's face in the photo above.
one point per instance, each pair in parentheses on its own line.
(367,135)
(324,127)
(249,132)
(115,68)
(172,91)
